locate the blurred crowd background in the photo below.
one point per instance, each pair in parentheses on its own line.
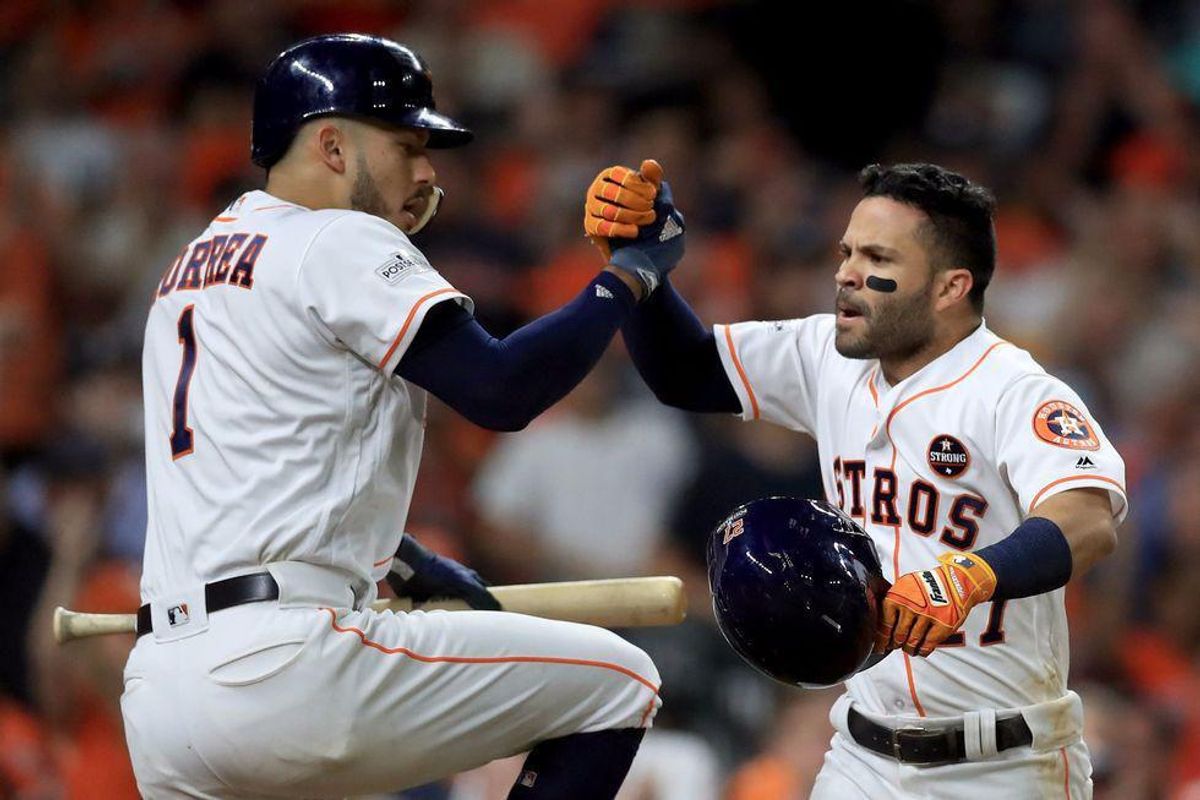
(124,127)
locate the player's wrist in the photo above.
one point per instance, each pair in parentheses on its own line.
(1034,559)
(410,556)
(636,288)
(973,577)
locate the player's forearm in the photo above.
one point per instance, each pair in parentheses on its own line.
(1061,539)
(1085,518)
(503,384)
(677,356)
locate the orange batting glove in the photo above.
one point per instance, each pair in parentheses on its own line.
(923,608)
(618,201)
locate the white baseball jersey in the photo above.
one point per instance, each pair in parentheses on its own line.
(275,430)
(278,439)
(953,457)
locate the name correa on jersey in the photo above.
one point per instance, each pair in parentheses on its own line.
(209,262)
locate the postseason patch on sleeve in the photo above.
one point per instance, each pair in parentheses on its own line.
(1064,425)
(398,267)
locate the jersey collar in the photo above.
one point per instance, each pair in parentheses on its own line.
(258,200)
(948,363)
(945,371)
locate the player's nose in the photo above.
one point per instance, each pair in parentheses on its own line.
(423,171)
(848,275)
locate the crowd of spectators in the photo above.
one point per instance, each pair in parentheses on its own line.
(124,127)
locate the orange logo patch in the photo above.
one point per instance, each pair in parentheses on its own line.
(1064,425)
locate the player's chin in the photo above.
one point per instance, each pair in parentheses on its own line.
(404,219)
(852,339)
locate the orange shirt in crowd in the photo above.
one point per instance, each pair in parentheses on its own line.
(27,767)
(94,762)
(764,778)
(30,344)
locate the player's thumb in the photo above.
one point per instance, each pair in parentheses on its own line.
(652,171)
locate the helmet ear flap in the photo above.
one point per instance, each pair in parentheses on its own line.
(796,587)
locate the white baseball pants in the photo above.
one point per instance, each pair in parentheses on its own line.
(308,702)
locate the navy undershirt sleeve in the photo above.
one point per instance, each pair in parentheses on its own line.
(503,384)
(677,355)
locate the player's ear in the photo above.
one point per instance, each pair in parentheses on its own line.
(952,286)
(331,142)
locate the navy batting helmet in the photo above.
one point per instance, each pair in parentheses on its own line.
(350,75)
(796,586)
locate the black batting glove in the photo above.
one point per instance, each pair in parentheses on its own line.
(421,574)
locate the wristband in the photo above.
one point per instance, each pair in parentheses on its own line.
(1034,559)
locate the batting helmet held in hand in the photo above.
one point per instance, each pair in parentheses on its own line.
(350,75)
(796,587)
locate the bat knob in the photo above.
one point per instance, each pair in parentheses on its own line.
(60,614)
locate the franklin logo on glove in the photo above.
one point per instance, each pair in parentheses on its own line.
(937,595)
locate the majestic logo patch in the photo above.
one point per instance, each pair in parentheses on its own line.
(1064,425)
(397,267)
(1085,462)
(933,587)
(948,456)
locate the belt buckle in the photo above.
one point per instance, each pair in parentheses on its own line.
(921,734)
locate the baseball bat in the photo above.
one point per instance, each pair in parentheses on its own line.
(609,603)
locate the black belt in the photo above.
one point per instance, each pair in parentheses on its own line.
(942,746)
(224,594)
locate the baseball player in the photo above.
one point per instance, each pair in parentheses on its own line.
(289,352)
(985,483)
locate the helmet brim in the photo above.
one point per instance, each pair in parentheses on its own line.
(444,132)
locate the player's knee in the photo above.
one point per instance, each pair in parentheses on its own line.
(645,698)
(646,666)
(636,660)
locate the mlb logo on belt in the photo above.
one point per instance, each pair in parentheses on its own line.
(178,615)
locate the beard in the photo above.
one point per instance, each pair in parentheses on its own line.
(897,327)
(365,195)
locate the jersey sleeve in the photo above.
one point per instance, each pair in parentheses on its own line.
(366,287)
(1048,442)
(773,367)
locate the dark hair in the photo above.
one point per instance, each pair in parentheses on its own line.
(960,214)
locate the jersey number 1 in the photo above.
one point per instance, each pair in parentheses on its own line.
(182,440)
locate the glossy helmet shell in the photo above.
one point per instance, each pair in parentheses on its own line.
(796,587)
(351,75)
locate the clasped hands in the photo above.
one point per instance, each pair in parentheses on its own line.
(631,217)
